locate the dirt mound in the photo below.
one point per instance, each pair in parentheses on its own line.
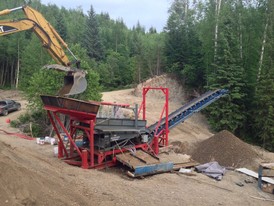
(226,149)
(23,184)
(176,91)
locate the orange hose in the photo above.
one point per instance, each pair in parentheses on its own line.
(23,136)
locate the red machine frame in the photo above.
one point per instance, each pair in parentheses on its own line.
(160,139)
(90,157)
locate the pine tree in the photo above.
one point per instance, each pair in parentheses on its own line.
(263,102)
(229,112)
(61,26)
(183,47)
(92,41)
(263,112)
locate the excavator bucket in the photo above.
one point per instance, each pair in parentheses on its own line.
(73,84)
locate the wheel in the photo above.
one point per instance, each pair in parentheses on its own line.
(5,112)
(19,108)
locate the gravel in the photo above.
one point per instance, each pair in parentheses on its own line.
(225,148)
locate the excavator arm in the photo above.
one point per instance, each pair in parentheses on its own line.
(74,81)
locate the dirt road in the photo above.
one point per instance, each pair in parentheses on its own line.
(31,175)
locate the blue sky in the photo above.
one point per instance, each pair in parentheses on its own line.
(147,12)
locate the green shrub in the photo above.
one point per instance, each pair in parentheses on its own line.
(32,123)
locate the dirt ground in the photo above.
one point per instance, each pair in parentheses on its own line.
(30,174)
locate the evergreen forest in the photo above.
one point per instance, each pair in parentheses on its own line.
(207,44)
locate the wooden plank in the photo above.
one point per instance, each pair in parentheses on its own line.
(268,165)
(128,160)
(140,158)
(178,166)
(255,175)
(149,159)
(143,163)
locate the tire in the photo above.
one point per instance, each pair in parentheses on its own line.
(5,112)
(19,108)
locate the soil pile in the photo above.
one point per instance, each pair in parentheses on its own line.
(225,148)
(23,184)
(176,91)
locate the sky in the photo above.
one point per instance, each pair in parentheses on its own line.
(147,12)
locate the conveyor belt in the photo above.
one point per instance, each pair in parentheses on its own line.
(181,114)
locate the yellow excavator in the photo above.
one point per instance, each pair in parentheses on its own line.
(75,81)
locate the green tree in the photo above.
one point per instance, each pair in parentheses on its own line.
(42,82)
(33,59)
(116,71)
(183,47)
(61,26)
(262,113)
(49,82)
(75,23)
(227,72)
(92,40)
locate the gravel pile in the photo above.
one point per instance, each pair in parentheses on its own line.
(225,148)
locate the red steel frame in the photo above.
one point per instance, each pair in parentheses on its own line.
(91,157)
(160,139)
(80,156)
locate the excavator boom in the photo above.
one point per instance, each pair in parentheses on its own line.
(75,81)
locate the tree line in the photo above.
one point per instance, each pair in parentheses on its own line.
(208,44)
